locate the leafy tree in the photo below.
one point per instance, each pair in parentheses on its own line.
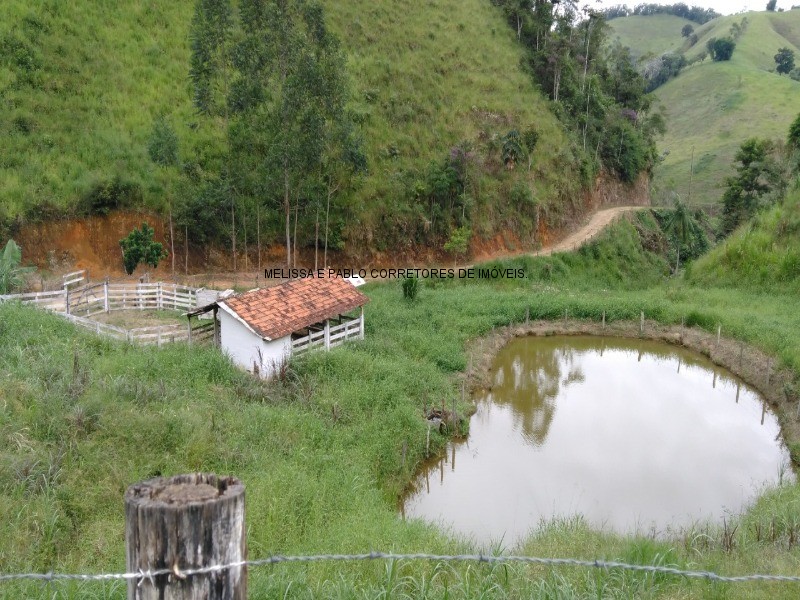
(591,81)
(784,61)
(163,150)
(721,49)
(771,5)
(458,244)
(686,233)
(11,273)
(139,247)
(687,30)
(754,178)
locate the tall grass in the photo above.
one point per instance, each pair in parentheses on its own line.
(321,452)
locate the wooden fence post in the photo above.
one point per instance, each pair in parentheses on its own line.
(327,335)
(361,325)
(182,523)
(105,295)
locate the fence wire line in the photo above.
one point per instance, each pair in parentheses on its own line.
(149,575)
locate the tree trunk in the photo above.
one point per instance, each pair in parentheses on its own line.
(327,217)
(233,231)
(258,234)
(186,249)
(316,238)
(172,240)
(294,243)
(288,213)
(183,523)
(244,231)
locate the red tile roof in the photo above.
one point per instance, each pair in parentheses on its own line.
(279,310)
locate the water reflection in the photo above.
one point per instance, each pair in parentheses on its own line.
(631,434)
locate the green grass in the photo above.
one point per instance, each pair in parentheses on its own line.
(423,80)
(82,417)
(651,34)
(712,107)
(764,253)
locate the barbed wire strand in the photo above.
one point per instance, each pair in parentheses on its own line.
(149,575)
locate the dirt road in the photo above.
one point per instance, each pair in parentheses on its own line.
(597,223)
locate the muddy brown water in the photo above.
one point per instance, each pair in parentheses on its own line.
(634,435)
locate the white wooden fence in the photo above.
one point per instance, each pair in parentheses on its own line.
(105,297)
(154,335)
(78,305)
(329,337)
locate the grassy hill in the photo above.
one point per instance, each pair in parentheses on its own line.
(714,106)
(651,34)
(764,253)
(81,83)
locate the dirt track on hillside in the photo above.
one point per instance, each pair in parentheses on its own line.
(597,223)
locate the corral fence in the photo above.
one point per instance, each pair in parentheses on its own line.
(80,303)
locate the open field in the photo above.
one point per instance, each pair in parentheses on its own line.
(321,452)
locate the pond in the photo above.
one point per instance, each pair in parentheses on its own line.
(634,435)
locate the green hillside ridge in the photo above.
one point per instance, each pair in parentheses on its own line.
(764,253)
(715,106)
(651,34)
(81,84)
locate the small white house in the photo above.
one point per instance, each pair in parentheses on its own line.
(261,329)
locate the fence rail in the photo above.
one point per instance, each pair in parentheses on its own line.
(79,304)
(329,336)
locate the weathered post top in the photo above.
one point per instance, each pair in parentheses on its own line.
(183,523)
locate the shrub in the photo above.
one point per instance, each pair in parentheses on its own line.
(410,287)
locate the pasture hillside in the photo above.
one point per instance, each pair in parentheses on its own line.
(712,107)
(82,83)
(650,34)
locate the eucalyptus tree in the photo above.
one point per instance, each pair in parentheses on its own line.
(163,150)
(288,94)
(211,36)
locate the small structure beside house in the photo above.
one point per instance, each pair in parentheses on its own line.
(261,329)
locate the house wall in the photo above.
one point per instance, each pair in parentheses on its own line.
(242,346)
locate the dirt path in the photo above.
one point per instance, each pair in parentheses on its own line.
(597,223)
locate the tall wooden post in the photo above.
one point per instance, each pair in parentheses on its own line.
(183,523)
(105,295)
(327,335)
(216,327)
(361,325)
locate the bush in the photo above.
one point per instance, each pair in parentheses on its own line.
(107,196)
(139,247)
(721,49)
(410,287)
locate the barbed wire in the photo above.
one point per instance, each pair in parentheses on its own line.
(150,575)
